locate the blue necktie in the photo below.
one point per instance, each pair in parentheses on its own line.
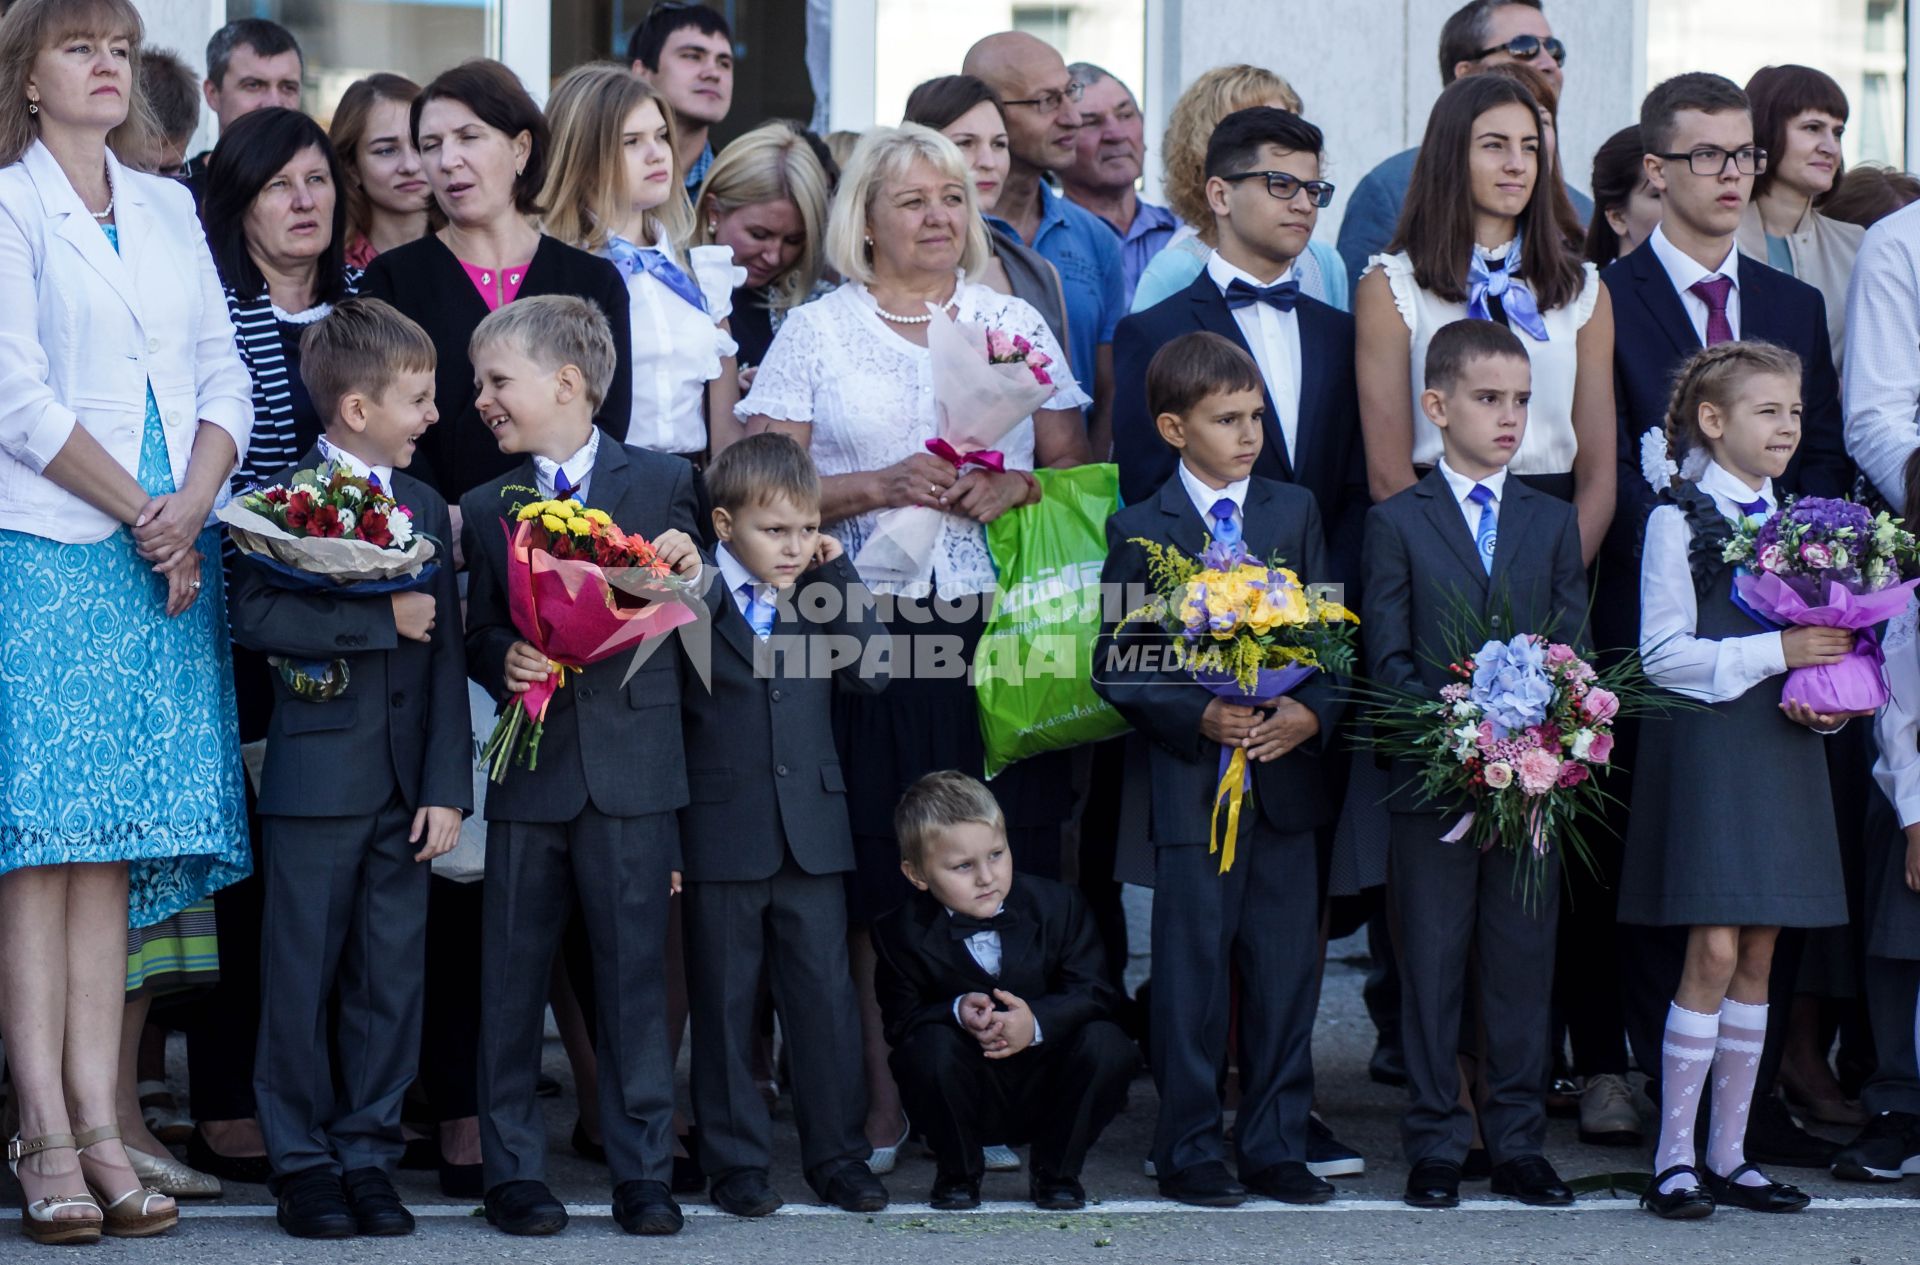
(1758,505)
(633,259)
(373,481)
(1489,528)
(1497,281)
(1282,296)
(760,612)
(563,487)
(1220,521)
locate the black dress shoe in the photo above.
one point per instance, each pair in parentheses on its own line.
(855,1189)
(525,1208)
(1531,1180)
(546,1087)
(646,1208)
(1775,1140)
(254,1169)
(1433,1184)
(1052,1193)
(1289,1181)
(377,1210)
(313,1207)
(1205,1185)
(1478,1165)
(689,1178)
(954,1192)
(1684,1203)
(585,1147)
(745,1192)
(1771,1197)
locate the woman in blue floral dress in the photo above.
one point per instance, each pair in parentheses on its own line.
(123,407)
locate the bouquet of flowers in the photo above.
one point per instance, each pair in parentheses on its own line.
(1828,563)
(580,591)
(1249,632)
(328,528)
(985,382)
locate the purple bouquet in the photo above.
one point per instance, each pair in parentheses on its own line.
(1822,562)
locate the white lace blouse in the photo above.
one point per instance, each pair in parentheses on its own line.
(868,394)
(1549,444)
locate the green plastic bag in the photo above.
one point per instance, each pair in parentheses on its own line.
(1033,669)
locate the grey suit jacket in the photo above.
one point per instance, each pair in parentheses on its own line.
(761,761)
(615,746)
(402,723)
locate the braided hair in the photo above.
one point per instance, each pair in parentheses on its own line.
(1712,376)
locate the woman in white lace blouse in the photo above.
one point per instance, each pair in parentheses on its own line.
(849,377)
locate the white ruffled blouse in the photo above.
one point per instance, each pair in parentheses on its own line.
(678,349)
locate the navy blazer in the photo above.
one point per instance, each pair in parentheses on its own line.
(1277,518)
(1328,460)
(1423,570)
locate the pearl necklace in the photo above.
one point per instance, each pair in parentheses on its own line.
(104,216)
(898,319)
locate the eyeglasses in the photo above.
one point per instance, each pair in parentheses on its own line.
(1051,100)
(1711,160)
(1287,188)
(1526,48)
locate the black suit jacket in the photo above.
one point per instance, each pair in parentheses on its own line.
(1277,519)
(1051,958)
(426,282)
(1328,460)
(615,746)
(1423,570)
(761,762)
(401,725)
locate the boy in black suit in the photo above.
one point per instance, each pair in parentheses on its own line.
(766,838)
(1261,916)
(1469,536)
(996,1001)
(357,793)
(595,822)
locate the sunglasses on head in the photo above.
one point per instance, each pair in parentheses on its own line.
(1526,48)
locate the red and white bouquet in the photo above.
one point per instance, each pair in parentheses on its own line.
(329,527)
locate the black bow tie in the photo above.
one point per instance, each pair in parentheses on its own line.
(1282,296)
(965,927)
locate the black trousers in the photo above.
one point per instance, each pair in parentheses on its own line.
(1059,1095)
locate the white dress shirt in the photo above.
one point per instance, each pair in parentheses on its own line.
(984,948)
(678,349)
(342,457)
(736,575)
(1684,271)
(1897,728)
(1882,387)
(578,467)
(1713,671)
(1462,488)
(1204,497)
(1274,338)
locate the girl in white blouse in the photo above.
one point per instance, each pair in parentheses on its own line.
(1477,238)
(612,189)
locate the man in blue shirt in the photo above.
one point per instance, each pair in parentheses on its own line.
(1481,33)
(1043,117)
(1106,166)
(686,51)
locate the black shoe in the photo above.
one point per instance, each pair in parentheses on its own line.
(646,1208)
(954,1192)
(421,1156)
(253,1169)
(855,1189)
(377,1210)
(1051,1193)
(1683,1203)
(745,1192)
(1388,1066)
(1433,1184)
(585,1147)
(525,1208)
(689,1178)
(1531,1180)
(546,1087)
(1886,1150)
(1204,1185)
(1772,1197)
(1328,1156)
(462,1181)
(313,1207)
(1289,1181)
(1478,1166)
(1775,1140)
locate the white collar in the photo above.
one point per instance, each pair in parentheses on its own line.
(1204,497)
(1225,274)
(1462,487)
(736,574)
(578,466)
(1722,484)
(1684,270)
(330,452)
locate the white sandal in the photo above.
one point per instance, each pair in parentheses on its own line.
(41,1221)
(132,1215)
(881,1162)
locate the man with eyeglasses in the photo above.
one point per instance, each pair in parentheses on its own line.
(686,51)
(1687,287)
(1107,157)
(1043,118)
(1480,34)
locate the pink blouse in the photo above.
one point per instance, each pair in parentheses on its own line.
(496,287)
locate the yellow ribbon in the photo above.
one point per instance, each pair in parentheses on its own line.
(1234,790)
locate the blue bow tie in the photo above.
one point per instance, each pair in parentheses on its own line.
(1282,296)
(632,260)
(1498,282)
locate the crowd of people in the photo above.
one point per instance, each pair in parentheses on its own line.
(250,815)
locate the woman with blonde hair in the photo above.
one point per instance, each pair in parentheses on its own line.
(1208,99)
(612,189)
(388,198)
(766,197)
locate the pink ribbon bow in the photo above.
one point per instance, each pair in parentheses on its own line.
(986,457)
